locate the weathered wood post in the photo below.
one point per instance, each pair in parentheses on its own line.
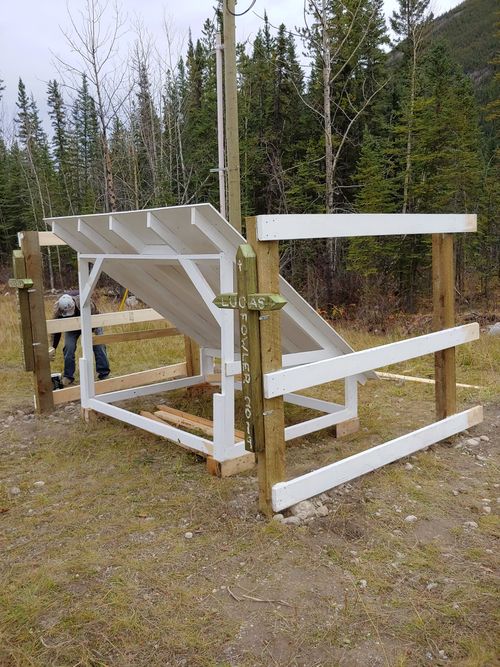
(261,421)
(22,283)
(443,289)
(270,462)
(30,247)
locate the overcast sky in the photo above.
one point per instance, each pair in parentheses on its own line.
(30,32)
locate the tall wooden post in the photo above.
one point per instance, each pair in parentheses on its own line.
(30,248)
(271,461)
(231,106)
(19,270)
(443,288)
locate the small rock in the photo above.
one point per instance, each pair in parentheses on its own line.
(472,442)
(487,509)
(455,492)
(362,583)
(443,655)
(429,656)
(322,510)
(10,419)
(411,518)
(14,491)
(470,524)
(484,438)
(324,497)
(481,458)
(39,484)
(409,466)
(188,535)
(431,586)
(304,509)
(494,330)
(278,518)
(291,521)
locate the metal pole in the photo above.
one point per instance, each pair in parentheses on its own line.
(231,103)
(220,124)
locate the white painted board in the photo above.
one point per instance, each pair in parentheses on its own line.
(337,225)
(286,494)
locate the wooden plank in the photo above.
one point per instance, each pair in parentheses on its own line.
(271,462)
(19,269)
(311,484)
(143,334)
(105,320)
(123,382)
(322,226)
(443,289)
(232,466)
(190,421)
(41,363)
(179,437)
(49,239)
(411,378)
(319,372)
(347,427)
(151,416)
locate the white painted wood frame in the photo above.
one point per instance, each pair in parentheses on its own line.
(285,494)
(337,225)
(288,380)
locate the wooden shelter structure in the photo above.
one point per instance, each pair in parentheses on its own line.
(177,260)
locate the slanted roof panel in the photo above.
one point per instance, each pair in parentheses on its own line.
(166,287)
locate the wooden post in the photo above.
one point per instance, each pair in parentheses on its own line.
(251,372)
(192,351)
(19,270)
(443,288)
(231,106)
(30,248)
(270,462)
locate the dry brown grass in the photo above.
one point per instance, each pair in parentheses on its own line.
(96,569)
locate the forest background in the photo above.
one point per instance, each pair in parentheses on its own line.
(334,117)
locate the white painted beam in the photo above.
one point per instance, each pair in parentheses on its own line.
(322,226)
(287,380)
(105,319)
(174,434)
(92,281)
(318,423)
(285,494)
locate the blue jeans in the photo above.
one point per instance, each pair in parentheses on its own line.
(101,358)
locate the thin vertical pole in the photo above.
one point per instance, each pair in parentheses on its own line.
(30,248)
(231,104)
(87,384)
(271,461)
(443,288)
(220,124)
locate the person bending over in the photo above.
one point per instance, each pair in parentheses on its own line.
(68,305)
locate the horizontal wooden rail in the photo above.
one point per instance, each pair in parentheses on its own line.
(287,380)
(288,493)
(48,239)
(323,226)
(123,382)
(411,378)
(143,334)
(105,320)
